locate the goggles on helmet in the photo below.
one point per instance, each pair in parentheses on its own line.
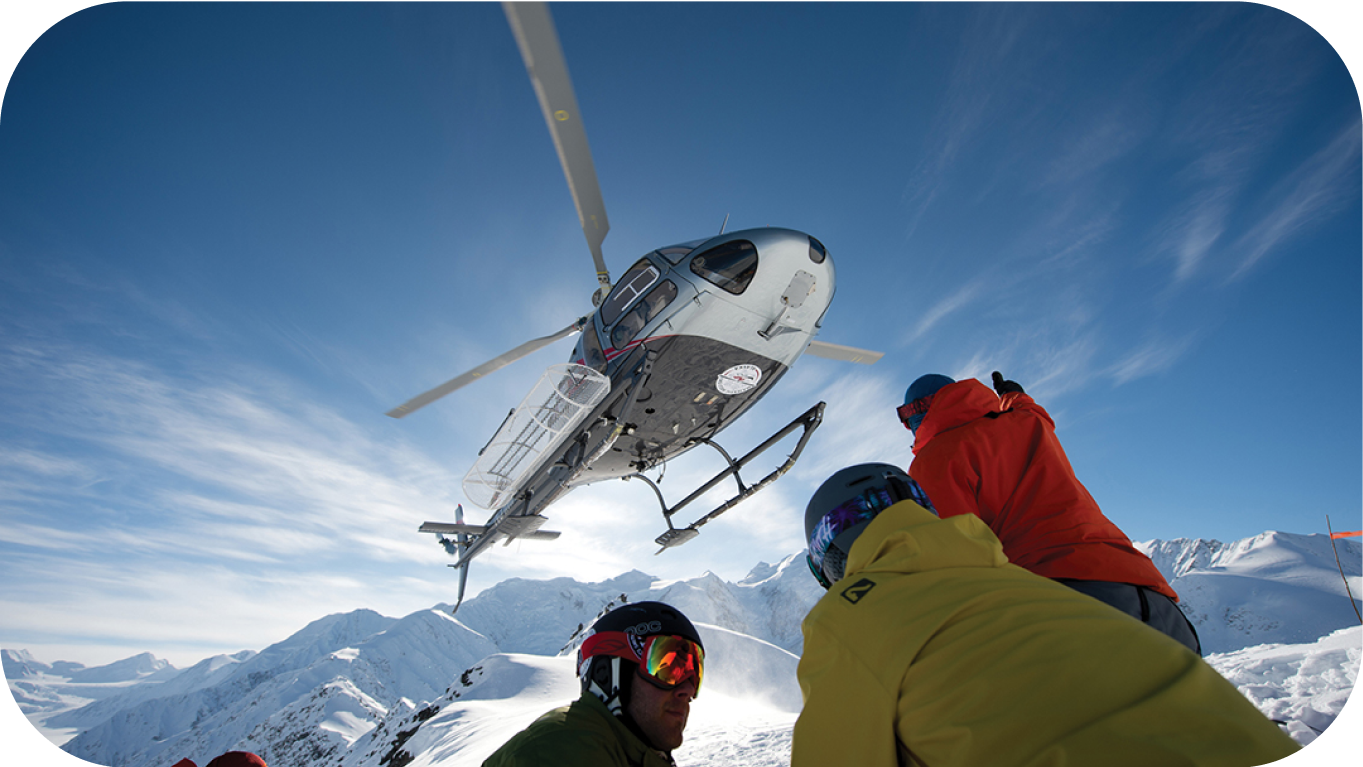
(851,513)
(665,661)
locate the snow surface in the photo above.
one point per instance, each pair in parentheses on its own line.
(364,690)
(1305,686)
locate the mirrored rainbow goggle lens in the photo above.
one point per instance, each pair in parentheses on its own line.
(672,659)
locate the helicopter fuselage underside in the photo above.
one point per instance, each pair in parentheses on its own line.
(679,404)
(683,401)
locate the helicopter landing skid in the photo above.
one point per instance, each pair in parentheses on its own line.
(674,536)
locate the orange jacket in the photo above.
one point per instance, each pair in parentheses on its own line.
(1000,460)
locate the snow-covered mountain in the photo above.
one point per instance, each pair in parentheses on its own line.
(364,690)
(1272,588)
(313,693)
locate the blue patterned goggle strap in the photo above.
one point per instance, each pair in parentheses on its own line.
(860,509)
(918,496)
(850,514)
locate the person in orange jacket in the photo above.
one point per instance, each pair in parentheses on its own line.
(996,456)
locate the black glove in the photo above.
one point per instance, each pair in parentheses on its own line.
(1005,387)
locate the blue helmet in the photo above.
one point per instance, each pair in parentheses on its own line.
(914,408)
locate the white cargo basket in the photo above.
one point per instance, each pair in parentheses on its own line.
(546,417)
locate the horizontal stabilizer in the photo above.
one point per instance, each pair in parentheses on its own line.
(843,353)
(540,535)
(453,529)
(446,527)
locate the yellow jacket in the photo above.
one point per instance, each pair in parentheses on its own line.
(935,651)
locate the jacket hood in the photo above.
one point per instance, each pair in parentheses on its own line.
(906,538)
(954,405)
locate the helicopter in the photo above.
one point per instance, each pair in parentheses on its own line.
(682,345)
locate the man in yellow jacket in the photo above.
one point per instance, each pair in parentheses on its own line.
(930,649)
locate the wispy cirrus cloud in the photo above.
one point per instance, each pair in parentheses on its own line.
(152,492)
(1323,185)
(977,93)
(1149,359)
(1196,230)
(951,304)
(1102,141)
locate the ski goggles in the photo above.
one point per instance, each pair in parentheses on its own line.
(861,508)
(911,413)
(664,660)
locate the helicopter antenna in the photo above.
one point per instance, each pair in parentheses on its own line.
(724,225)
(535,35)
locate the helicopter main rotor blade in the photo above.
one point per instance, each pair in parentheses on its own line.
(492,365)
(534,31)
(843,353)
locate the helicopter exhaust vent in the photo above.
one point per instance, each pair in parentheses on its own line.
(548,415)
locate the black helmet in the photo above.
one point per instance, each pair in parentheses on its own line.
(614,646)
(844,505)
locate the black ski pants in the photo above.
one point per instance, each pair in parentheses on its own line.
(1150,607)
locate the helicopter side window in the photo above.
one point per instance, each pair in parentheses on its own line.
(629,326)
(638,279)
(592,356)
(730,266)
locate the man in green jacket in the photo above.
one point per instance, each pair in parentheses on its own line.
(931,649)
(640,666)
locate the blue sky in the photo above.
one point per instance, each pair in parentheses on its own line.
(232,236)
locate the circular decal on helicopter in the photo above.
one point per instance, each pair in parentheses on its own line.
(738,379)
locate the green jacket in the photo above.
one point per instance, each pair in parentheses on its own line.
(935,651)
(583,734)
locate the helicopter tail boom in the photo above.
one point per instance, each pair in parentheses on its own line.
(470,540)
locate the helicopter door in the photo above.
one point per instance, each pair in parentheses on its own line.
(643,313)
(636,281)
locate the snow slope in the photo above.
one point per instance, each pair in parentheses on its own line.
(287,697)
(1305,685)
(364,690)
(63,698)
(743,716)
(1272,588)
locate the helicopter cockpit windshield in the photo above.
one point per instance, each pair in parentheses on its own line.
(731,266)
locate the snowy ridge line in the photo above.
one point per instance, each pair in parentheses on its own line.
(363,690)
